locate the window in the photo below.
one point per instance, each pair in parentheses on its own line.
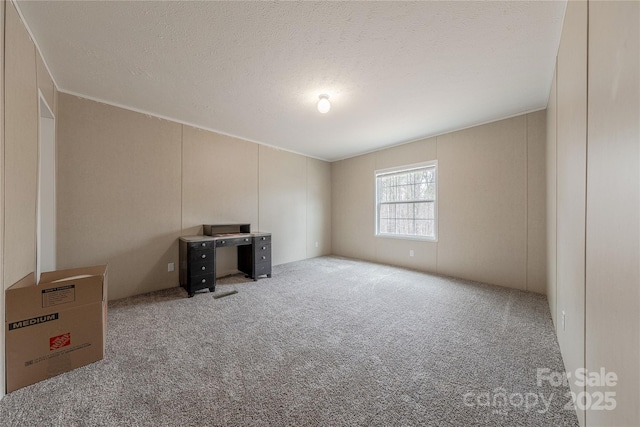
(406,201)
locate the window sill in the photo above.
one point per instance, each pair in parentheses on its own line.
(408,237)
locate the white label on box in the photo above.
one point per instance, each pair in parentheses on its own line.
(59,295)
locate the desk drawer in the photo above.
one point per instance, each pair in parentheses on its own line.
(262,248)
(264,258)
(202,281)
(200,246)
(198,267)
(206,255)
(263,240)
(233,241)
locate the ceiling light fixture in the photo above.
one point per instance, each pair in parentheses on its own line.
(323,104)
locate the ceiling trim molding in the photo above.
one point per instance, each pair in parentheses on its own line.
(555,66)
(442,133)
(35,42)
(182,122)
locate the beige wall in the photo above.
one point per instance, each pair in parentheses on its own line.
(282,204)
(21,149)
(613,205)
(551,198)
(486,201)
(2,287)
(129,185)
(352,207)
(24,75)
(210,195)
(594,116)
(482,192)
(536,203)
(119,194)
(571,152)
(318,208)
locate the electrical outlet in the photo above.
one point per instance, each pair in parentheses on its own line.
(316,244)
(411,252)
(564,320)
(171,266)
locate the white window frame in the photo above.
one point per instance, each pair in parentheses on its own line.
(377,173)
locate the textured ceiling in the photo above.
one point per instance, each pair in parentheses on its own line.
(395,71)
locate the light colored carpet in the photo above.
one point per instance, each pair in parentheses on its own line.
(328,342)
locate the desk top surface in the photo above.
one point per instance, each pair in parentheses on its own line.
(222,236)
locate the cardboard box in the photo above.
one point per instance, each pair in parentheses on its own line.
(55,326)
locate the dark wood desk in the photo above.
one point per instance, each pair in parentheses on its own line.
(198,255)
